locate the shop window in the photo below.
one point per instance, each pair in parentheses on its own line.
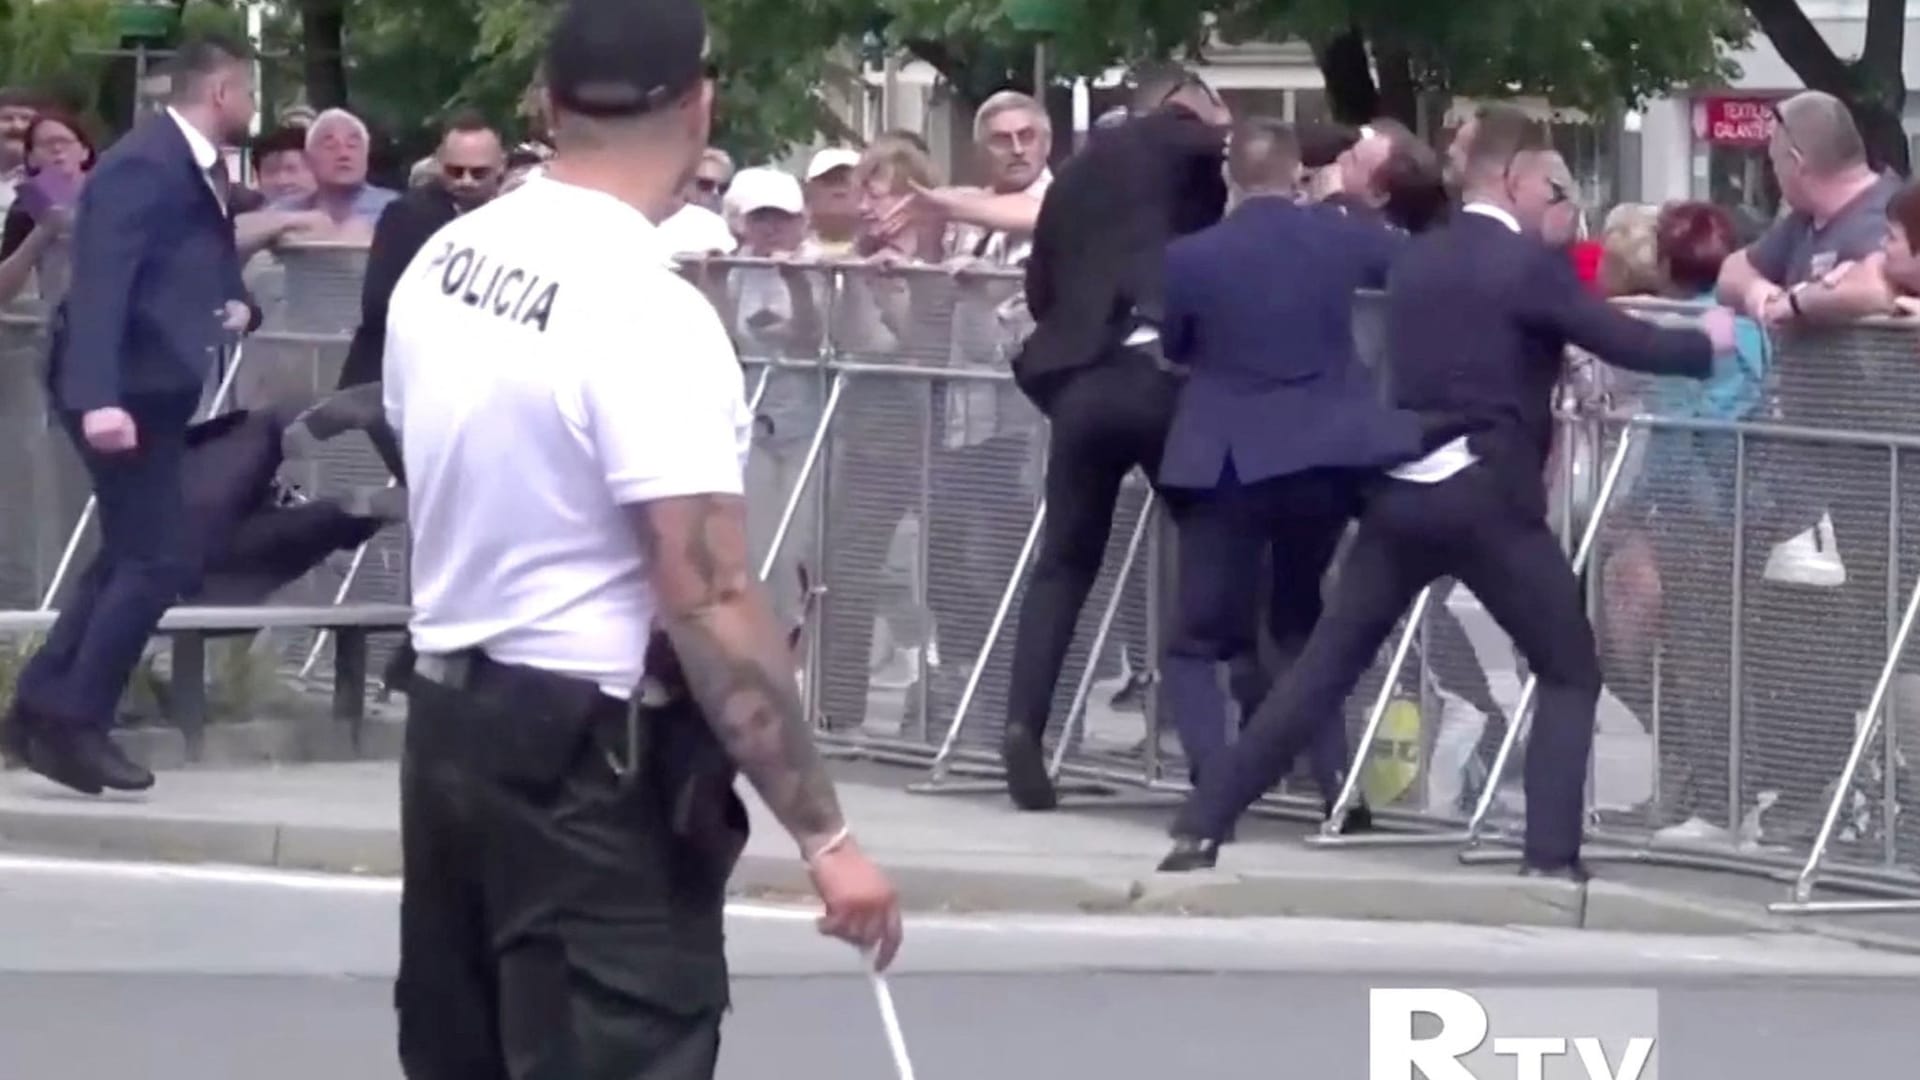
(1741,178)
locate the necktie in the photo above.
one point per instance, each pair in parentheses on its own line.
(222,183)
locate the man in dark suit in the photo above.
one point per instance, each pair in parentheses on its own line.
(1093,363)
(156,293)
(1479,316)
(468,168)
(1276,428)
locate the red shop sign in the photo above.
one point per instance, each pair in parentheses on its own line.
(1737,121)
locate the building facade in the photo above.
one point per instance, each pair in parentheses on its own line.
(1710,142)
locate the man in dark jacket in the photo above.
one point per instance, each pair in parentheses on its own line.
(1278,428)
(468,168)
(1479,315)
(1094,365)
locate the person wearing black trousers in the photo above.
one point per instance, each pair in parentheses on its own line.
(1479,316)
(1094,366)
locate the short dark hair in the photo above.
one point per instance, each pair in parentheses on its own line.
(288,139)
(467,122)
(1415,185)
(70,121)
(1693,239)
(1502,132)
(1264,155)
(202,57)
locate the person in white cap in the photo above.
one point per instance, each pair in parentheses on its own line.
(775,313)
(833,203)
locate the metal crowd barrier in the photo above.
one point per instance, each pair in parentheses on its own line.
(1753,583)
(1726,736)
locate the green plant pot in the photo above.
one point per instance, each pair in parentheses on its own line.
(145,22)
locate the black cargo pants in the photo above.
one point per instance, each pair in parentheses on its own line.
(564,885)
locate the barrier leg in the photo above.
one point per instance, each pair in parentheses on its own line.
(808,465)
(940,783)
(1470,836)
(339,597)
(1076,712)
(1330,829)
(1000,614)
(759,389)
(350,682)
(1802,902)
(190,690)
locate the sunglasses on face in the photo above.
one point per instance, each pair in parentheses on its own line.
(707,185)
(468,172)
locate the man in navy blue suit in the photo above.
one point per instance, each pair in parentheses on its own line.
(1276,429)
(1479,315)
(156,293)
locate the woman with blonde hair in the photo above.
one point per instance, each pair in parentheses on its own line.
(884,315)
(1630,251)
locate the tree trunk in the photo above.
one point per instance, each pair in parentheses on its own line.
(323,31)
(1399,92)
(1344,65)
(1874,88)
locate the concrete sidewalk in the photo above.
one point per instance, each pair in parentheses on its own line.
(950,853)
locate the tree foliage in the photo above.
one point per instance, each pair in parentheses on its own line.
(410,61)
(1873,84)
(57,46)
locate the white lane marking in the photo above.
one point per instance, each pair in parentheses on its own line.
(1332,934)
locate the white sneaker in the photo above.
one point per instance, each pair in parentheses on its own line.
(1695,830)
(1811,558)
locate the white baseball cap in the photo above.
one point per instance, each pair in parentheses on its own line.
(833,157)
(763,188)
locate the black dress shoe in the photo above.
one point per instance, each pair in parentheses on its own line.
(1190,854)
(86,759)
(1573,873)
(1027,781)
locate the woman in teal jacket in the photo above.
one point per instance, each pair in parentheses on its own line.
(1684,509)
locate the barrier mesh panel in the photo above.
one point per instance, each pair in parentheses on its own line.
(43,489)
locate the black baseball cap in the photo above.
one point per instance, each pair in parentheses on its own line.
(1321,144)
(612,58)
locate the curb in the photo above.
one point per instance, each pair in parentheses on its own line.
(1467,897)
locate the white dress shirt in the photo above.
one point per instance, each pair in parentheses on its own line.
(205,154)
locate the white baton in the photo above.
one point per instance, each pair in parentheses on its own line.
(889,1019)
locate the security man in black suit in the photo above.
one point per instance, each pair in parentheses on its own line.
(1094,365)
(469,165)
(1479,316)
(1274,432)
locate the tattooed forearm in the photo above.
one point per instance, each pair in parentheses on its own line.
(733,657)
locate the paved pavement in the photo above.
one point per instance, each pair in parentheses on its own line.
(948,853)
(190,973)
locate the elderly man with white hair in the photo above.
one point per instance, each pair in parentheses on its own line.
(337,147)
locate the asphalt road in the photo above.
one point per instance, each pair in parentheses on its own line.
(154,972)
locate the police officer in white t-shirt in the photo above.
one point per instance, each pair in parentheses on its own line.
(571,415)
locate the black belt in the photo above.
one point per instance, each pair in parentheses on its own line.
(472,670)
